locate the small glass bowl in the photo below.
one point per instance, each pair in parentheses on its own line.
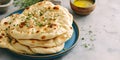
(82,10)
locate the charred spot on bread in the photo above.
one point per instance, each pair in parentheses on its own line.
(27,8)
(22,24)
(2,34)
(43,37)
(45,29)
(37,31)
(49,7)
(70,27)
(31,26)
(1,37)
(8,26)
(6,23)
(52,25)
(56,7)
(40,3)
(33,41)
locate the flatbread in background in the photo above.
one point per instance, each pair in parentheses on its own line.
(48,43)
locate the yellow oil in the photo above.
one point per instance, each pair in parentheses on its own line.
(83,3)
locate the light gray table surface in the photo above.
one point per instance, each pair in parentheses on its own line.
(100,30)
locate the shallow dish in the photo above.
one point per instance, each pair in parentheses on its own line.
(68,45)
(83,10)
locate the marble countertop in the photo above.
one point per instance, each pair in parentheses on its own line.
(99,33)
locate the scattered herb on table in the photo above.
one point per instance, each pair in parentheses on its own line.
(85,45)
(88,38)
(90,32)
(82,38)
(25,3)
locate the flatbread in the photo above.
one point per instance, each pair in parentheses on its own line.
(6,22)
(42,28)
(3,39)
(38,50)
(48,43)
(50,24)
(38,9)
(22,48)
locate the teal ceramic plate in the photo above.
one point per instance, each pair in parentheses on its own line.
(68,45)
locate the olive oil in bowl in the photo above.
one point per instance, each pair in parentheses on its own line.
(83,3)
(82,7)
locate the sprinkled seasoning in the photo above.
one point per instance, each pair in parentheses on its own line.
(39,24)
(85,45)
(82,38)
(17,24)
(34,18)
(9,22)
(0,37)
(45,19)
(6,29)
(27,25)
(29,16)
(40,13)
(90,32)
(87,38)
(13,25)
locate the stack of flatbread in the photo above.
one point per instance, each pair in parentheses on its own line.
(42,28)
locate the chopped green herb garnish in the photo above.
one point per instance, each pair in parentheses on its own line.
(45,19)
(85,45)
(40,14)
(22,17)
(33,18)
(28,18)
(49,23)
(30,15)
(9,22)
(6,29)
(13,25)
(27,25)
(17,24)
(39,24)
